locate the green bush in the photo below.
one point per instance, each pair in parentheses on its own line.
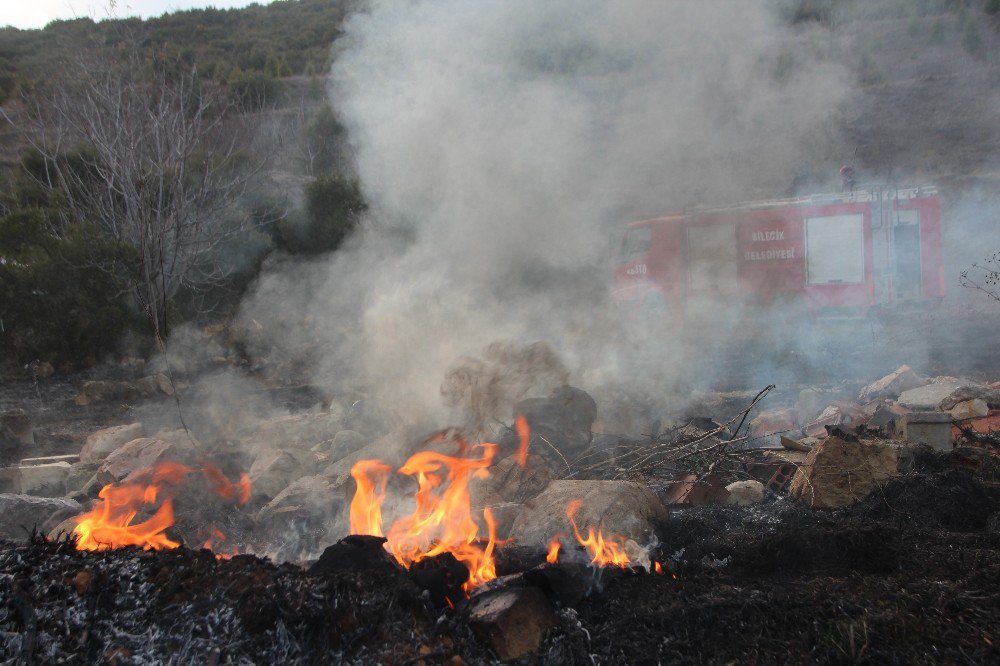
(334,205)
(57,301)
(253,91)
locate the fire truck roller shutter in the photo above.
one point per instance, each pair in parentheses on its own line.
(835,251)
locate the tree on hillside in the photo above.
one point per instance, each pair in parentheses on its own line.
(147,153)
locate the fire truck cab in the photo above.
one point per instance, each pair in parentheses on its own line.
(850,253)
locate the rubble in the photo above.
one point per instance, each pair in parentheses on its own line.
(838,473)
(969,409)
(892,385)
(628,508)
(273,470)
(302,519)
(20,513)
(100,444)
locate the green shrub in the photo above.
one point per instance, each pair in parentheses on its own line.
(57,300)
(255,90)
(334,205)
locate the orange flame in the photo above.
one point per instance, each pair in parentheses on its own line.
(554,546)
(371,477)
(603,552)
(657,567)
(524,433)
(109,524)
(441,521)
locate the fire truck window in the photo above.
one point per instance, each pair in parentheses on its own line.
(712,257)
(637,241)
(906,253)
(835,251)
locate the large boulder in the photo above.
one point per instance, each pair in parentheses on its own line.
(46,480)
(137,455)
(892,385)
(20,513)
(101,444)
(303,518)
(618,507)
(838,473)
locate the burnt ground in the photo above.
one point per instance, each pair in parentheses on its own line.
(907,576)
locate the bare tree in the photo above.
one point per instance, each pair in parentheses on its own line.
(149,154)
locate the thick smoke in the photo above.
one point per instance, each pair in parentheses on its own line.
(501,144)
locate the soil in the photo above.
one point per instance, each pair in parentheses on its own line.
(907,576)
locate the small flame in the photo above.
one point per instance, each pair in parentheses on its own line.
(657,567)
(524,433)
(603,552)
(554,545)
(109,524)
(371,477)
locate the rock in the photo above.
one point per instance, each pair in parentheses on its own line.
(10,480)
(137,455)
(838,473)
(20,513)
(10,446)
(301,431)
(929,398)
(745,493)
(892,385)
(969,409)
(18,423)
(44,460)
(987,394)
(509,482)
(563,420)
(153,385)
(805,444)
(47,480)
(931,428)
(103,391)
(304,518)
(812,401)
(623,507)
(42,369)
(512,621)
(79,476)
(837,414)
(486,389)
(274,469)
(101,444)
(344,443)
(339,472)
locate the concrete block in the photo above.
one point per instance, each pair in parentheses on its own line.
(931,428)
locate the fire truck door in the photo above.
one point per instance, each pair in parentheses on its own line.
(906,254)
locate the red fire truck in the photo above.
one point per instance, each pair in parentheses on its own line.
(847,253)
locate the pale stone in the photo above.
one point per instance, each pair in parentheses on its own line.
(838,473)
(48,480)
(101,444)
(745,493)
(20,513)
(892,385)
(970,409)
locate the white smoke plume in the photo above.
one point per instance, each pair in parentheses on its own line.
(501,144)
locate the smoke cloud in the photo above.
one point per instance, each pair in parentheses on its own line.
(502,144)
